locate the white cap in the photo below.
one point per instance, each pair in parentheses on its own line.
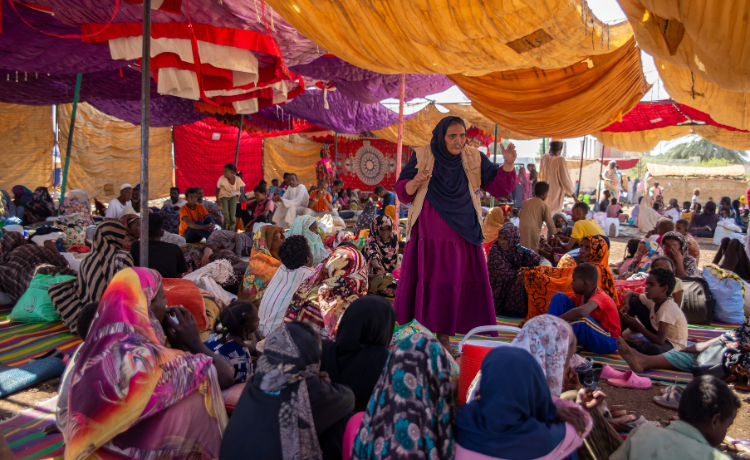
(124,186)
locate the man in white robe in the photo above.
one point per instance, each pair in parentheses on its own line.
(292,204)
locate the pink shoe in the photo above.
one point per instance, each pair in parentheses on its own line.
(631,380)
(610,373)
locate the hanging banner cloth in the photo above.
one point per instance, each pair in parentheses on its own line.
(472,37)
(106,153)
(291,154)
(561,103)
(705,37)
(651,122)
(203,148)
(28,140)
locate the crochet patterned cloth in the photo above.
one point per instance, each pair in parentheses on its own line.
(220,270)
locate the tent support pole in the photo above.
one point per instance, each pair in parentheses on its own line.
(335,147)
(400,145)
(145,122)
(494,160)
(580,169)
(239,136)
(600,182)
(70,141)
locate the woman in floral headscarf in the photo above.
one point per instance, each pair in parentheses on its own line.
(264,261)
(365,219)
(381,253)
(324,167)
(644,255)
(77,201)
(40,207)
(150,401)
(506,258)
(675,246)
(307,226)
(323,298)
(411,411)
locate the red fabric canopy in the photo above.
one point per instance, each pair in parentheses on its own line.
(623,163)
(660,114)
(201,150)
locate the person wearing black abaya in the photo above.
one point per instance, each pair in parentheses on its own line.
(288,412)
(360,352)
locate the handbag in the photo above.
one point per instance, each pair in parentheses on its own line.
(711,361)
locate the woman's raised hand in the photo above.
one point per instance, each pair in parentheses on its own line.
(510,158)
(422,177)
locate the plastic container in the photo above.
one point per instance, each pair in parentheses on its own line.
(473,353)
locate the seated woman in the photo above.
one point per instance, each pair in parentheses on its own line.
(703,225)
(561,222)
(630,251)
(96,271)
(21,197)
(239,243)
(40,207)
(258,209)
(614,211)
(264,261)
(637,284)
(357,357)
(410,413)
(381,254)
(325,295)
(506,258)
(307,226)
(132,223)
(515,415)
(491,225)
(234,327)
(674,246)
(642,259)
(647,215)
(365,219)
(127,417)
(289,410)
(20,262)
(542,283)
(77,201)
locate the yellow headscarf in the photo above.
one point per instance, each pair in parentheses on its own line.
(492,224)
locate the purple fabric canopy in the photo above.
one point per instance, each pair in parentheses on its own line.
(236,14)
(343,116)
(367,86)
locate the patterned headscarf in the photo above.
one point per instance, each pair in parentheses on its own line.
(9,242)
(600,258)
(8,208)
(688,261)
(647,251)
(134,374)
(301,226)
(410,413)
(324,296)
(365,219)
(40,207)
(263,265)
(376,249)
(24,195)
(548,339)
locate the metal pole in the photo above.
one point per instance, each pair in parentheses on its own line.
(580,169)
(599,183)
(400,144)
(145,121)
(70,141)
(239,136)
(494,160)
(335,148)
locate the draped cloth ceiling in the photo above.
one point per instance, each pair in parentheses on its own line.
(651,122)
(471,37)
(106,153)
(563,103)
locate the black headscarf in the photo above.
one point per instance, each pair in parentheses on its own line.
(285,410)
(360,352)
(707,218)
(448,191)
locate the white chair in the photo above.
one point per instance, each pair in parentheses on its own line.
(610,222)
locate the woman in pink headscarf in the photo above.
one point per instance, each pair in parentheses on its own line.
(523,179)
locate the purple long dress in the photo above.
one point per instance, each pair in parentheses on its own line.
(444,280)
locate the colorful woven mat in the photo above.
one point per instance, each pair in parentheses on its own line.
(25,433)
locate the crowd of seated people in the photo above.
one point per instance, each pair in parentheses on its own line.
(308,344)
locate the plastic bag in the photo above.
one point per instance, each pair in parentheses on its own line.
(729,291)
(35,306)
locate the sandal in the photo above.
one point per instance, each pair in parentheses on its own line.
(670,400)
(631,380)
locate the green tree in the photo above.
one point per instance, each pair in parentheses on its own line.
(706,150)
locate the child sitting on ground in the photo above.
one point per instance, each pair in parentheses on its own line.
(667,264)
(235,325)
(583,227)
(590,311)
(630,250)
(655,315)
(707,409)
(663,226)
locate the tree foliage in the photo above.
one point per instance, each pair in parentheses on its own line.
(707,151)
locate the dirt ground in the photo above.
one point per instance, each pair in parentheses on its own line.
(26,399)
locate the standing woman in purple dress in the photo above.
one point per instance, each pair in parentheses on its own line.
(444,281)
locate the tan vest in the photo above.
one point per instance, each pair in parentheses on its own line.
(472,162)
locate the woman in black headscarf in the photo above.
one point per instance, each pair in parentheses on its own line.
(704,224)
(444,282)
(289,411)
(357,357)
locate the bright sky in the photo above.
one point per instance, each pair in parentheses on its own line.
(605,10)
